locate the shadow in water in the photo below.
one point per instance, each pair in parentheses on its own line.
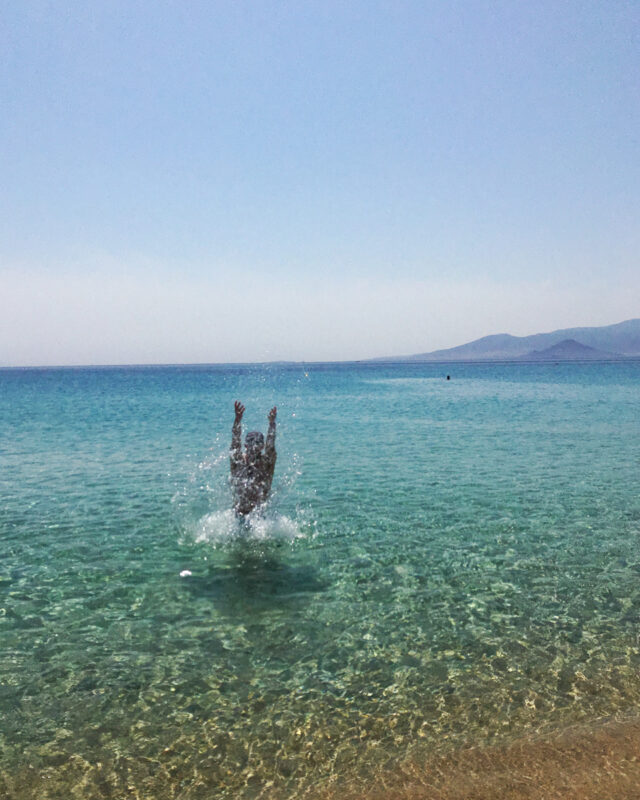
(255,580)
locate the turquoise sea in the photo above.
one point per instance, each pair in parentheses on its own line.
(442,564)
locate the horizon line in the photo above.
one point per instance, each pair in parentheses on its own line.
(374,362)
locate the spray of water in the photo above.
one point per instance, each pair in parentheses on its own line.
(221,527)
(203,506)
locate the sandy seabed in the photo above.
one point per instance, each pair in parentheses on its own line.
(600,761)
(596,762)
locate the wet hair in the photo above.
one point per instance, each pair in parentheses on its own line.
(254,440)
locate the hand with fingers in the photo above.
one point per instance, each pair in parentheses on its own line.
(239,410)
(272,415)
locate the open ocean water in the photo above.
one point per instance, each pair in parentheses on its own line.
(443,564)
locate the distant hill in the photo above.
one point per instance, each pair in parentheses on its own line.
(568,350)
(621,339)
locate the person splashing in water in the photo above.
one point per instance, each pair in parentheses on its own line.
(252,471)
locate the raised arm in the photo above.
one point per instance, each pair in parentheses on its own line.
(270,444)
(236,435)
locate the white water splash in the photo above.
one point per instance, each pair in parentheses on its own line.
(219,527)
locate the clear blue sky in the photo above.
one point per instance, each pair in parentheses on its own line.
(248,180)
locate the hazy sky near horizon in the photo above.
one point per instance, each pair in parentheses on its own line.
(258,180)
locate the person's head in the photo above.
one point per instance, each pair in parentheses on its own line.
(254,442)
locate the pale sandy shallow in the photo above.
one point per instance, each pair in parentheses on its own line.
(596,762)
(600,761)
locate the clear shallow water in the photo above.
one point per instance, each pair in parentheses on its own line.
(443,564)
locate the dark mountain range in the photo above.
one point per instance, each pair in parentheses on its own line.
(568,350)
(621,339)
